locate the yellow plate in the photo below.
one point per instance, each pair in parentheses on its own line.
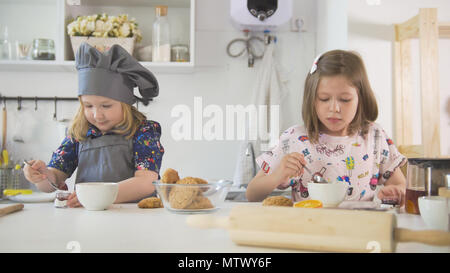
(308,204)
(10,192)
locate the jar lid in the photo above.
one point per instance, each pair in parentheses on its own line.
(161,10)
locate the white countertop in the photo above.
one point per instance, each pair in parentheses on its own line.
(40,227)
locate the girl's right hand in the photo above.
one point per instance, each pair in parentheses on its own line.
(72,201)
(291,165)
(35,172)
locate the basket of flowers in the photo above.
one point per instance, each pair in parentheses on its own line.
(102,31)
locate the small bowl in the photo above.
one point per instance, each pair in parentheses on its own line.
(193,198)
(96,195)
(330,194)
(434,211)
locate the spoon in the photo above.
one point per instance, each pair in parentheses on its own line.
(48,179)
(315,177)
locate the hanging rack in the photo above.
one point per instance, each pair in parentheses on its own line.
(55,99)
(19,100)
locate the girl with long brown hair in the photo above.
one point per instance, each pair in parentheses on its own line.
(339,140)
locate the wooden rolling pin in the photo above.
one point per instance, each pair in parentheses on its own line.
(316,229)
(10,209)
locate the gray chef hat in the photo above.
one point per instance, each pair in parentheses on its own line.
(113,74)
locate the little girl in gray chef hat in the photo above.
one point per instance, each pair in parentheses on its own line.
(109,140)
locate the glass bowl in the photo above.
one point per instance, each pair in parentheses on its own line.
(193,198)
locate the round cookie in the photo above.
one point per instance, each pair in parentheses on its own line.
(192,180)
(170,176)
(277,201)
(182,196)
(200,202)
(150,203)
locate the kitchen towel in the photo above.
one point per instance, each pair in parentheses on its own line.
(270,90)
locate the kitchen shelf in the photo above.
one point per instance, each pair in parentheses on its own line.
(69,66)
(181,17)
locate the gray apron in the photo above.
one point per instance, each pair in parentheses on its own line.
(108,158)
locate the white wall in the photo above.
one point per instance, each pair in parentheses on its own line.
(217,78)
(222,80)
(371,33)
(331,25)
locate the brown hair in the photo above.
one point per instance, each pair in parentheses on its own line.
(130,123)
(350,65)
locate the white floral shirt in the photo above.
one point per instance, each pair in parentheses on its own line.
(363,162)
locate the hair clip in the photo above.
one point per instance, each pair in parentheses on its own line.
(314,66)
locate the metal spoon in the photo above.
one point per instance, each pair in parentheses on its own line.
(48,178)
(315,177)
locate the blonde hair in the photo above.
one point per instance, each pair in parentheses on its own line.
(350,65)
(130,123)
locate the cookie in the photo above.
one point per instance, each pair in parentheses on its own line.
(170,176)
(182,196)
(200,202)
(277,201)
(150,203)
(192,180)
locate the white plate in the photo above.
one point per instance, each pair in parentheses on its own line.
(35,197)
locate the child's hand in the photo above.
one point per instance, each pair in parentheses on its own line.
(35,172)
(291,165)
(393,192)
(72,201)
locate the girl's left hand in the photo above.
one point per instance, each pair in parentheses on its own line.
(72,201)
(392,192)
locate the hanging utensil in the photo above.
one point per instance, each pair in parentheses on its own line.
(4,134)
(54,114)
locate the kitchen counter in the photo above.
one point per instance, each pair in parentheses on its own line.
(40,227)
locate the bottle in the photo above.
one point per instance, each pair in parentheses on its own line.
(161,36)
(5,46)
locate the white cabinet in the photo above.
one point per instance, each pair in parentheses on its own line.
(30,19)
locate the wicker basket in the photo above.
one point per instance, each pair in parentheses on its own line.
(102,44)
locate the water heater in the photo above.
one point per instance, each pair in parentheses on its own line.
(260,15)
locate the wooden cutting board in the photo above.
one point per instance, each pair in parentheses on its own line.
(316,229)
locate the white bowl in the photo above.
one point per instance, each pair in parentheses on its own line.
(330,194)
(96,195)
(434,211)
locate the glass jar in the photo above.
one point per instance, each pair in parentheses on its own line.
(180,53)
(43,49)
(61,198)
